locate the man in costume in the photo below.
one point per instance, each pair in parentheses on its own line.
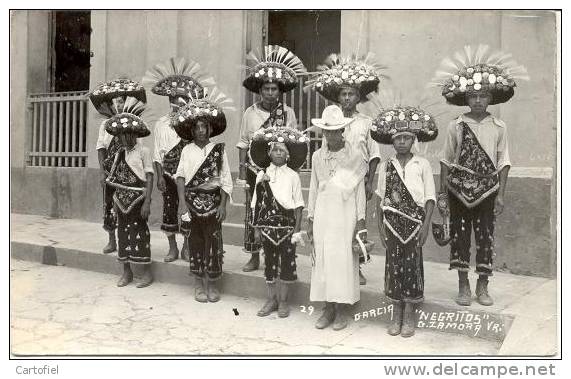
(105,98)
(180,80)
(271,75)
(204,184)
(277,207)
(476,162)
(347,82)
(131,176)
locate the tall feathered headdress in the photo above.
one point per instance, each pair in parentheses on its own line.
(101,97)
(363,73)
(127,119)
(478,69)
(392,116)
(178,77)
(210,108)
(277,65)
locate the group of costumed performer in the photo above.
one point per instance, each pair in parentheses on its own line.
(180,80)
(270,75)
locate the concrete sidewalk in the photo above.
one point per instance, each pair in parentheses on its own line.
(527,303)
(94,317)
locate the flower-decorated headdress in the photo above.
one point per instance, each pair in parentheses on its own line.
(477,70)
(210,108)
(337,72)
(127,119)
(390,119)
(101,97)
(277,65)
(178,77)
(295,141)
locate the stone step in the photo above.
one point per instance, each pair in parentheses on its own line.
(78,244)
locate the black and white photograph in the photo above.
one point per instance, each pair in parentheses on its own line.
(285,183)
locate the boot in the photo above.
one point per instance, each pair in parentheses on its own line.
(396,323)
(173,250)
(147,278)
(409,321)
(482,291)
(111,245)
(464,294)
(199,291)
(127,276)
(212,293)
(362,279)
(340,318)
(271,304)
(327,316)
(283,307)
(185,254)
(253,264)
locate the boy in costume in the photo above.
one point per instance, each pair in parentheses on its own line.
(180,80)
(406,199)
(131,176)
(347,81)
(476,162)
(104,98)
(270,76)
(204,184)
(277,207)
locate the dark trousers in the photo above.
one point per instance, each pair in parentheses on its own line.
(170,207)
(109,215)
(404,270)
(133,237)
(205,246)
(279,261)
(480,218)
(250,245)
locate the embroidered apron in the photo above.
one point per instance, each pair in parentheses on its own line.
(205,202)
(275,222)
(130,190)
(474,177)
(401,214)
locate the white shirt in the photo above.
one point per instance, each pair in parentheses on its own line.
(358,135)
(491,133)
(253,118)
(192,158)
(416,175)
(139,159)
(165,139)
(103,138)
(285,185)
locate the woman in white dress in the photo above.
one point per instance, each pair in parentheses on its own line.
(332,212)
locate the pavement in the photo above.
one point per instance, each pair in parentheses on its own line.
(49,316)
(523,319)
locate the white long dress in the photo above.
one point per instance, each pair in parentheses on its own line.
(333,206)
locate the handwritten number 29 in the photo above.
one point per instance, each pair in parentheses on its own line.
(305,309)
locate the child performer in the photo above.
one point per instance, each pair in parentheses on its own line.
(474,171)
(104,98)
(406,199)
(204,184)
(131,176)
(277,206)
(180,80)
